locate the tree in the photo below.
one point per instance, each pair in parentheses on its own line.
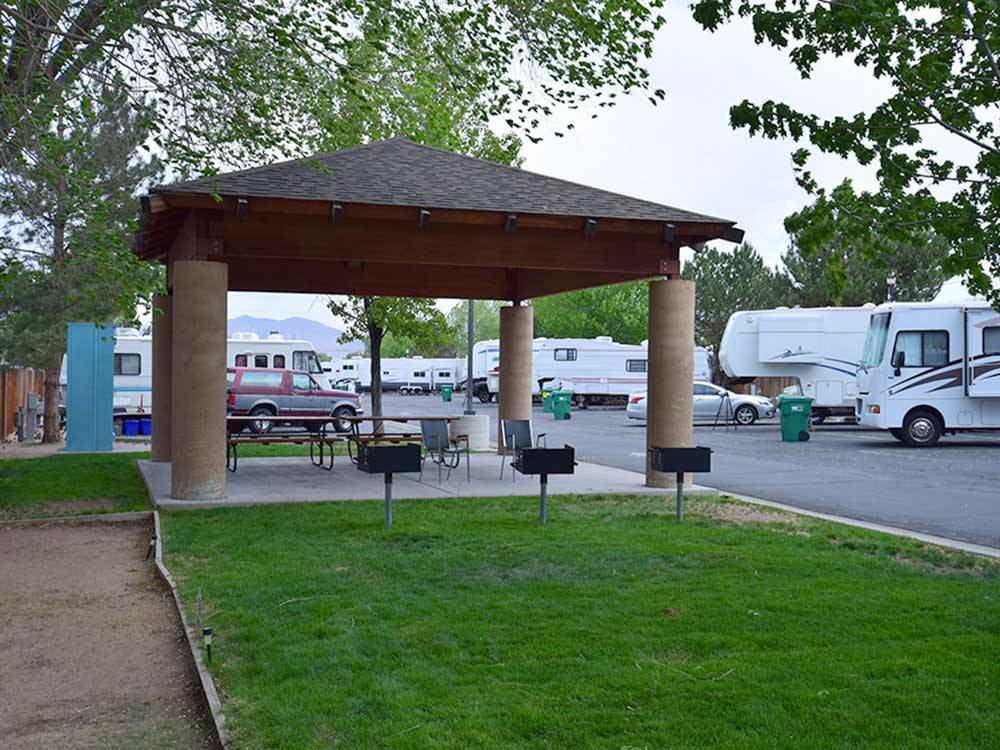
(941,61)
(620,311)
(727,282)
(485,323)
(834,260)
(232,81)
(65,250)
(372,318)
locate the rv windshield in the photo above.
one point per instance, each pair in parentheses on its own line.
(878,334)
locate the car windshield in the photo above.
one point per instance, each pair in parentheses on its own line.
(878,334)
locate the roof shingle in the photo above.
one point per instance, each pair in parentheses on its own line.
(399,172)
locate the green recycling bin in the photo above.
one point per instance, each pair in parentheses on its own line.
(446,391)
(547,400)
(795,414)
(562,401)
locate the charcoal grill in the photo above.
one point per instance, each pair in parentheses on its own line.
(544,461)
(680,461)
(388,460)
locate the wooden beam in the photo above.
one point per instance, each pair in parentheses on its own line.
(260,238)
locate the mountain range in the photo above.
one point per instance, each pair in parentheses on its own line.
(323,337)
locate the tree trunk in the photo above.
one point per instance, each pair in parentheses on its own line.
(50,432)
(375,344)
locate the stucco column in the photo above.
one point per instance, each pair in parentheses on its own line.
(162,342)
(516,337)
(198,445)
(670,400)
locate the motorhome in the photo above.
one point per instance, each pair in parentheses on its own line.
(820,346)
(133,363)
(403,374)
(930,368)
(597,370)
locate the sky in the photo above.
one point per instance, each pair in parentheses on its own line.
(683,152)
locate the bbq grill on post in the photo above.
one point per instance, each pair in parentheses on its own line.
(680,461)
(388,459)
(544,461)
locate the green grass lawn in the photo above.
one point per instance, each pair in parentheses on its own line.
(68,484)
(468,626)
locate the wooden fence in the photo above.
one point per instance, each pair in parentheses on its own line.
(16,383)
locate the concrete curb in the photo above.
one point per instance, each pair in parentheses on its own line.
(207,686)
(940,541)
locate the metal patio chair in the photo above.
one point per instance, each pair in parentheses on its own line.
(437,446)
(517,434)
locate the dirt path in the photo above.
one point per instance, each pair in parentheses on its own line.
(91,650)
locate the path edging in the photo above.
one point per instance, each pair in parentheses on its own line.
(207,686)
(940,541)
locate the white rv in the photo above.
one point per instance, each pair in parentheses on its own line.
(133,363)
(597,370)
(821,346)
(403,374)
(930,368)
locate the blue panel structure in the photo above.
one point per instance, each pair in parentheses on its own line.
(90,359)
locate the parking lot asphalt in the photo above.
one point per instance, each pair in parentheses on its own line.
(950,490)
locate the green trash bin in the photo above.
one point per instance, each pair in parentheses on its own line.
(562,401)
(796,412)
(446,391)
(547,400)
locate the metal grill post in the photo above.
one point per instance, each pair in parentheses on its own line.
(680,495)
(543,510)
(388,500)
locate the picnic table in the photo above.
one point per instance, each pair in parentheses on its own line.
(373,436)
(320,440)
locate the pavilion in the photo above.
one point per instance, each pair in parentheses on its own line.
(403,219)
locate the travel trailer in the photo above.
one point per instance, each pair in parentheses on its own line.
(820,346)
(930,368)
(597,370)
(133,364)
(403,374)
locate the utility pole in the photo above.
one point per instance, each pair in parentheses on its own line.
(470,333)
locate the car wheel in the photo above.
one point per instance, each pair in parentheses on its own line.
(745,415)
(340,424)
(263,426)
(483,395)
(922,428)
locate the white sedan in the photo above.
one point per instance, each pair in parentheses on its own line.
(708,403)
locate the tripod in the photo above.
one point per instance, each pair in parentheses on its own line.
(725,413)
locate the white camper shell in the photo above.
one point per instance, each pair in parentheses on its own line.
(598,370)
(820,346)
(931,368)
(404,374)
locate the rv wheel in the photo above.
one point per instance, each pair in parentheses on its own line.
(921,428)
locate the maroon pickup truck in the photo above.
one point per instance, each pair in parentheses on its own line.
(254,391)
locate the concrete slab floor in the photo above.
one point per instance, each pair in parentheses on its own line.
(261,481)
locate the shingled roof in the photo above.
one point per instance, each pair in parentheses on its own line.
(399,172)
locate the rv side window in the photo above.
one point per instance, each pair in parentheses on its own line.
(420,374)
(262,379)
(348,367)
(444,374)
(564,355)
(241,360)
(308,361)
(260,360)
(635,365)
(279,361)
(128,364)
(991,340)
(922,348)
